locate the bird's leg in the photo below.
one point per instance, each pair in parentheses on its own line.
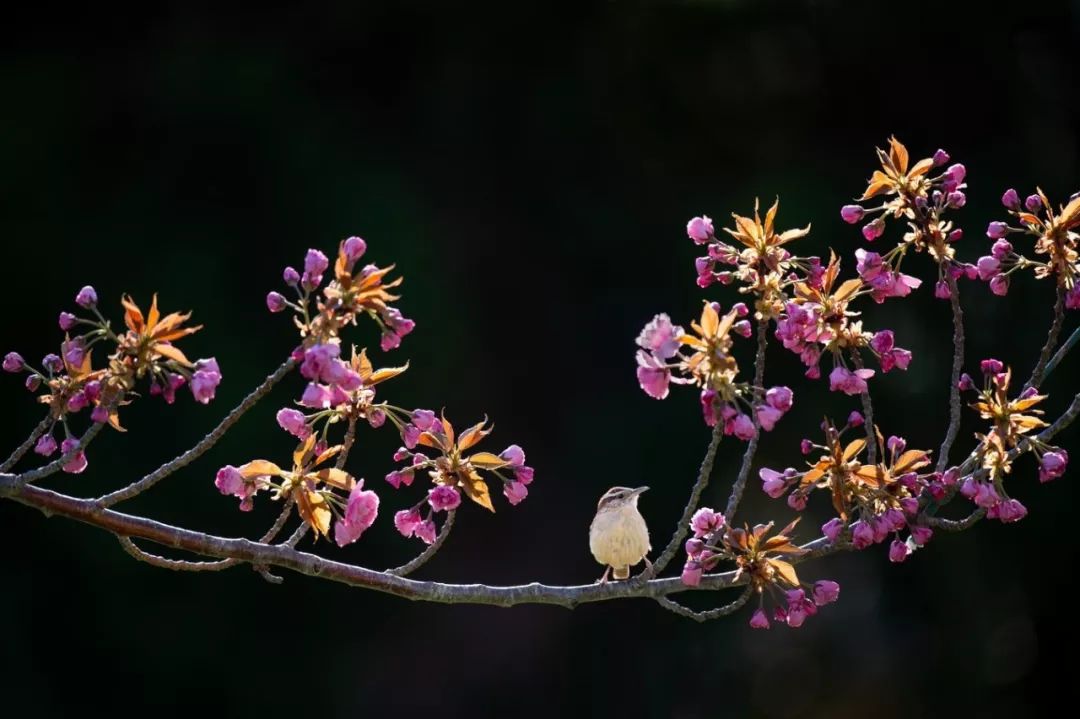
(649,572)
(603,579)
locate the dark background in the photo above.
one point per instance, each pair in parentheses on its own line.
(531,174)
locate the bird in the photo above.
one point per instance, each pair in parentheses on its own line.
(618,536)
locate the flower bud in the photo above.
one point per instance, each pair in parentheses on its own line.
(1010,199)
(997,230)
(1033,203)
(275,302)
(851,213)
(86,298)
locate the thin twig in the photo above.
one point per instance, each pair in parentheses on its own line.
(955,525)
(673,606)
(751,447)
(346,444)
(1062,351)
(1039,372)
(20,451)
(868,413)
(422,558)
(57,464)
(955,411)
(136,488)
(683,526)
(176,565)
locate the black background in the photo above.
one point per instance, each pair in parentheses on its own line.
(530,173)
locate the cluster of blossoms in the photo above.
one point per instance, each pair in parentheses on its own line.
(341,391)
(760,262)
(761,557)
(146,350)
(1054,237)
(872,501)
(818,319)
(452,470)
(1012,420)
(703,359)
(913,193)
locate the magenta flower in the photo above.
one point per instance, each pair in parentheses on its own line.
(360,513)
(940,158)
(661,337)
(317,396)
(73,352)
(832,528)
(77,463)
(205,380)
(1008,511)
(318,361)
(898,551)
(1033,203)
(67,321)
(921,535)
(275,301)
(1001,249)
(13,362)
(99,414)
(691,573)
(851,213)
(873,230)
(354,248)
(424,419)
(513,454)
(444,498)
(742,427)
(767,417)
(997,230)
(291,276)
(425,531)
(653,377)
(86,298)
(46,445)
(515,491)
(780,398)
(399,477)
(758,620)
(315,264)
(773,483)
(841,379)
(406,521)
(999,285)
(988,267)
(1011,199)
(294,422)
(862,535)
(1052,465)
(700,229)
(706,521)
(826,591)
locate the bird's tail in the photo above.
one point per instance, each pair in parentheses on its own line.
(622,572)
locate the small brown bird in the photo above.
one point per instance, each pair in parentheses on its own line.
(618,537)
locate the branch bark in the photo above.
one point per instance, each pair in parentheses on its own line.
(957,367)
(739,486)
(23,448)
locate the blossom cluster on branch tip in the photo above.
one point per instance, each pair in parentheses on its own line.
(1054,239)
(69,383)
(914,193)
(343,392)
(1012,420)
(761,556)
(871,501)
(703,359)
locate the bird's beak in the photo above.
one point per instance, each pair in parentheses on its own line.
(639,491)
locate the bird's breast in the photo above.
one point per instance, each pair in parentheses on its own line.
(619,537)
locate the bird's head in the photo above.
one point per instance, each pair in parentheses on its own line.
(618,497)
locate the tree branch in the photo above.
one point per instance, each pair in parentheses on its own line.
(1039,372)
(1062,351)
(673,606)
(136,488)
(868,414)
(751,447)
(955,412)
(23,448)
(54,466)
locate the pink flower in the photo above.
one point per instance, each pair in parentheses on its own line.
(826,591)
(77,463)
(832,528)
(999,285)
(1052,465)
(13,362)
(985,495)
(354,248)
(652,376)
(425,531)
(316,396)
(396,327)
(399,477)
(700,229)
(988,267)
(758,620)
(942,290)
(742,427)
(1072,297)
(513,454)
(515,491)
(691,574)
(46,445)
(294,422)
(868,265)
(86,298)
(406,521)
(862,535)
(940,158)
(882,341)
(855,419)
(773,483)
(991,366)
(33,381)
(997,230)
(851,213)
(73,351)
(780,397)
(767,417)
(806,446)
(956,199)
(319,360)
(77,402)
(1011,199)
(275,301)
(315,264)
(360,513)
(705,521)
(1033,203)
(205,380)
(424,419)
(797,501)
(898,551)
(67,321)
(444,498)
(524,474)
(873,230)
(841,379)
(229,481)
(694,547)
(1008,511)
(921,535)
(52,362)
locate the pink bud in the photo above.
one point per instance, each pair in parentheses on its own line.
(873,230)
(1011,199)
(999,285)
(862,535)
(1033,203)
(77,463)
(700,229)
(898,551)
(832,528)
(691,574)
(940,158)
(855,419)
(354,249)
(921,535)
(806,446)
(826,591)
(997,230)
(1052,465)
(13,362)
(291,276)
(515,491)
(942,290)
(86,298)
(851,213)
(758,620)
(275,301)
(444,498)
(46,445)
